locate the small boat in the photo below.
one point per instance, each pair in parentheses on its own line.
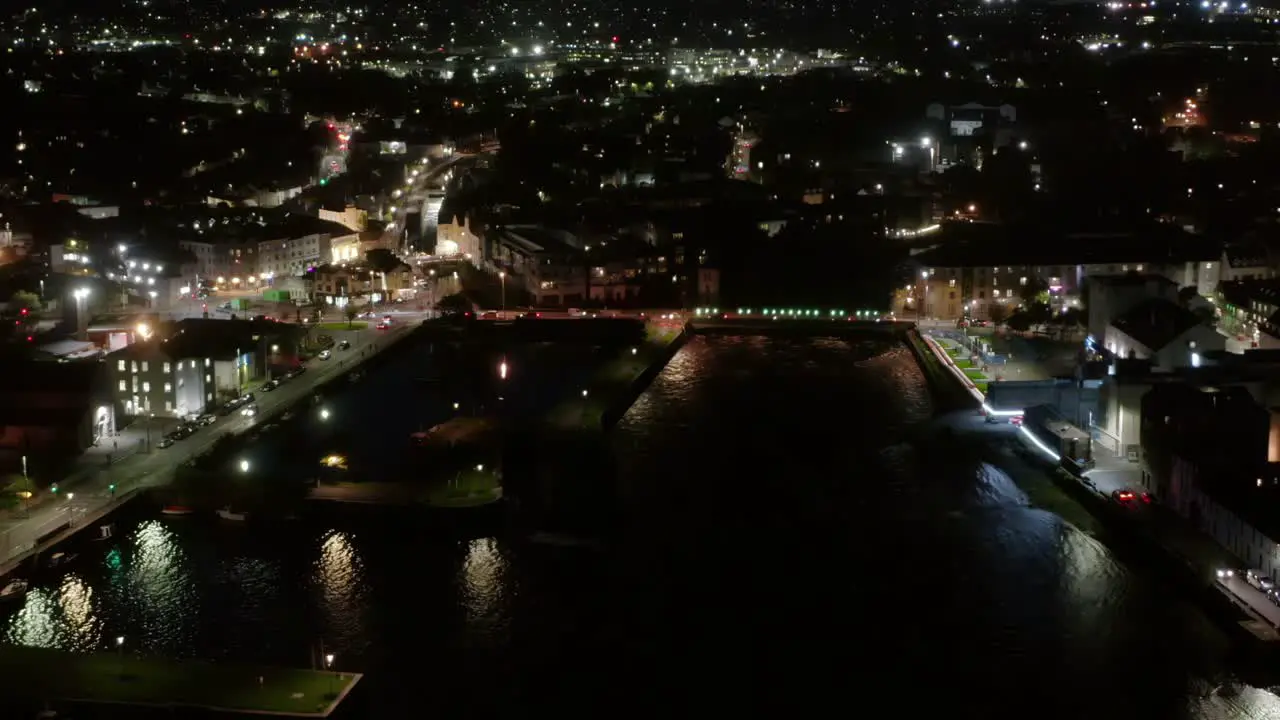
(177,510)
(227,514)
(60,560)
(14,590)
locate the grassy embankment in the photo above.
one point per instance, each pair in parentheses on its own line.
(585,410)
(41,674)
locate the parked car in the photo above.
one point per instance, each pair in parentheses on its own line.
(165,442)
(1260,580)
(207,419)
(325,355)
(344,345)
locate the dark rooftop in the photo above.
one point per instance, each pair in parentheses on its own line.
(1156,322)
(990,245)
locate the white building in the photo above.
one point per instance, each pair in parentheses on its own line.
(1168,335)
(287,257)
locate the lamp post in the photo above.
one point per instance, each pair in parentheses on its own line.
(502,275)
(82,324)
(245,466)
(328,665)
(150,416)
(120,654)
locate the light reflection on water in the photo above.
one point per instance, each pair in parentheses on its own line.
(339,576)
(910,572)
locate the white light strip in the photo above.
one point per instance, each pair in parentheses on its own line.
(968,383)
(1036,441)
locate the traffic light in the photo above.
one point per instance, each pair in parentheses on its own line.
(54,488)
(111,488)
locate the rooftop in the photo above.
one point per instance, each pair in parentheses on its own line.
(1156,322)
(990,244)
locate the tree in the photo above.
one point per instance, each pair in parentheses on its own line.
(997,313)
(1019,322)
(24,300)
(351,312)
(382,260)
(1034,290)
(454,304)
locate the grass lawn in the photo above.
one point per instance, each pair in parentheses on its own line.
(963,363)
(975,374)
(51,674)
(982,387)
(951,350)
(357,325)
(470,488)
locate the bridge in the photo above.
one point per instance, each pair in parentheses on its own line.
(798,326)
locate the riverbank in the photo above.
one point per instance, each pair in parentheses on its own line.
(41,675)
(611,390)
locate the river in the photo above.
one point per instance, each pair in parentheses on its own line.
(789,548)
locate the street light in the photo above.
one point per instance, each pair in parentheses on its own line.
(120,653)
(503,277)
(328,665)
(244,466)
(324,413)
(81,321)
(502,370)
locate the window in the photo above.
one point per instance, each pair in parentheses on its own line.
(167,369)
(145,366)
(208,397)
(207,362)
(168,387)
(208,378)
(146,387)
(1022,280)
(124,387)
(193,364)
(951,282)
(168,406)
(982,294)
(995,293)
(133,366)
(120,365)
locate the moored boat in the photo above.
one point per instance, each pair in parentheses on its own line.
(226,513)
(177,510)
(14,590)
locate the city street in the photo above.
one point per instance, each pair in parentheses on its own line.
(88,490)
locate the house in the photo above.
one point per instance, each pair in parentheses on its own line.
(201,363)
(1163,332)
(1110,296)
(56,408)
(1211,456)
(333,284)
(975,266)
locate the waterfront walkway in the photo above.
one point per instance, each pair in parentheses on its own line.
(88,491)
(1203,557)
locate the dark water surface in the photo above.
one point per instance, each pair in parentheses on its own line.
(786,553)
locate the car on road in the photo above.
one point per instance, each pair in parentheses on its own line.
(270,385)
(165,442)
(325,355)
(249,410)
(491,315)
(1260,580)
(207,419)
(344,345)
(1131,498)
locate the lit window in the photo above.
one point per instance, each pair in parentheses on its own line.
(208,378)
(145,366)
(146,387)
(167,368)
(1022,280)
(124,387)
(952,282)
(120,365)
(207,362)
(995,293)
(208,397)
(168,387)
